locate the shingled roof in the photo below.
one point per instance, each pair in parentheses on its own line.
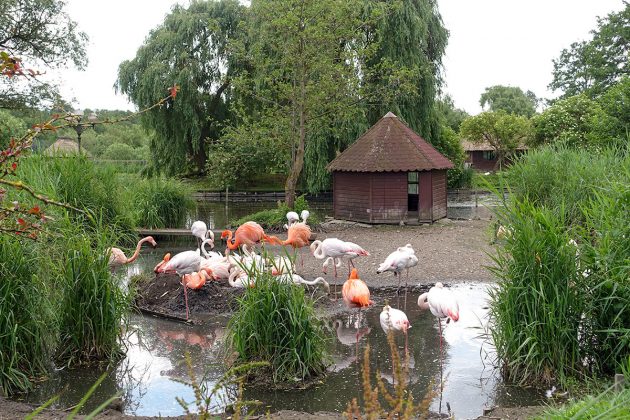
(389,146)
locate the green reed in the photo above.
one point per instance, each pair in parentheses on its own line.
(159,202)
(276,323)
(27,330)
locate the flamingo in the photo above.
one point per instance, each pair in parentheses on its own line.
(326,249)
(396,262)
(249,233)
(356,295)
(294,278)
(183,263)
(118,258)
(353,251)
(304,215)
(220,267)
(292,217)
(239,279)
(282,265)
(195,281)
(442,304)
(298,237)
(394,320)
(200,230)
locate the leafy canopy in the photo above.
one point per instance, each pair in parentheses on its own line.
(40,33)
(191,49)
(592,66)
(509,99)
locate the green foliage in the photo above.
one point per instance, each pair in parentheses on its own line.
(27,333)
(616,103)
(576,122)
(77,181)
(407,35)
(10,127)
(607,405)
(590,67)
(504,132)
(450,146)
(120,151)
(40,33)
(449,115)
(191,49)
(276,323)
(275,219)
(131,134)
(159,202)
(554,293)
(93,303)
(510,99)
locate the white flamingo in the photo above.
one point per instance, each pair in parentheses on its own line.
(393,319)
(118,258)
(442,304)
(292,217)
(296,279)
(282,265)
(201,232)
(398,261)
(239,279)
(304,215)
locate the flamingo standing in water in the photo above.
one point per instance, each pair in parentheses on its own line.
(249,233)
(356,294)
(442,304)
(118,258)
(394,320)
(201,232)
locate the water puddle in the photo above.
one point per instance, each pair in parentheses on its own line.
(150,377)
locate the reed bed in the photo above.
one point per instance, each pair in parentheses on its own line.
(276,323)
(27,327)
(563,268)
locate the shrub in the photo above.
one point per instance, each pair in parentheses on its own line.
(27,329)
(607,405)
(276,323)
(275,219)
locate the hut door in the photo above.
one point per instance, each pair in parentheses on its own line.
(412,191)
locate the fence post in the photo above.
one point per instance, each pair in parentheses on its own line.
(619,382)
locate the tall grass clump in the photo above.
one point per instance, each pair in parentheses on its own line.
(607,405)
(160,202)
(556,177)
(77,181)
(563,268)
(93,304)
(27,331)
(276,323)
(275,219)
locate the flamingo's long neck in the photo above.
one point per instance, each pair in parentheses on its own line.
(318,252)
(137,251)
(232,245)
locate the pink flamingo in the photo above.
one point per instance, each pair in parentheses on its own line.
(194,281)
(442,304)
(249,233)
(398,261)
(118,258)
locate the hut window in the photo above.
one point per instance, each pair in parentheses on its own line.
(488,155)
(412,191)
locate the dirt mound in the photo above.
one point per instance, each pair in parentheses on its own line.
(164,294)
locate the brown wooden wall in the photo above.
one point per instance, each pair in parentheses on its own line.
(439,194)
(381,197)
(476,160)
(351,196)
(389,197)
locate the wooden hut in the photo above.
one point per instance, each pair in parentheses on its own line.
(481,156)
(390,174)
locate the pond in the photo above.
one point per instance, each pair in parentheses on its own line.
(150,376)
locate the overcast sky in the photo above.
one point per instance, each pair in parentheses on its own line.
(491,42)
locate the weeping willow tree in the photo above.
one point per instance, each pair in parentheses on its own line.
(306,60)
(410,35)
(405,35)
(190,49)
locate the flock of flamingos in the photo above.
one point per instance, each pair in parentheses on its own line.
(198,266)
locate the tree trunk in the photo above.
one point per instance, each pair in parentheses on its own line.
(298,161)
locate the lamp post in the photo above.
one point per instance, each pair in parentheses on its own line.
(80,126)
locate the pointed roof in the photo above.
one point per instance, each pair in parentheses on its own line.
(389,146)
